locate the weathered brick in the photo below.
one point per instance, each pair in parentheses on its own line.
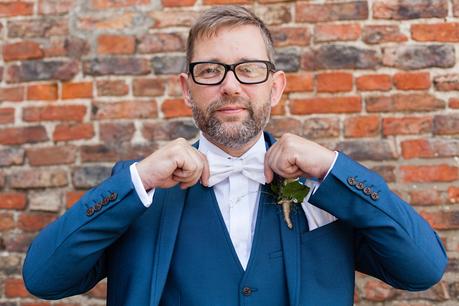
(116,66)
(403,103)
(442,220)
(175,3)
(116,133)
(21,135)
(447,82)
(6,221)
(174,89)
(72,197)
(453,103)
(115,44)
(299,82)
(73,131)
(13,200)
(279,109)
(456,8)
(114,88)
(290,36)
(34,221)
(336,32)
(7,115)
(340,57)
(168,64)
(49,201)
(429,148)
(318,128)
(425,197)
(88,177)
(38,178)
(18,242)
(164,19)
(151,87)
(429,173)
(377,291)
(309,12)
(280,126)
(117,20)
(441,32)
(77,90)
(378,150)
(325,105)
(42,71)
(11,156)
(14,94)
(55,7)
(374,82)
(387,172)
(169,130)
(209,2)
(435,294)
(55,155)
(161,42)
(446,124)
(39,27)
(110,153)
(412,80)
(362,126)
(408,9)
(175,108)
(24,50)
(453,194)
(15,8)
(377,34)
(124,110)
(99,291)
(419,56)
(10,264)
(14,287)
(107,4)
(276,14)
(42,92)
(407,125)
(72,47)
(287,60)
(334,82)
(54,113)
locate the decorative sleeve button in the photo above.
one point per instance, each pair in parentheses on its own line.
(375,196)
(351,181)
(90,211)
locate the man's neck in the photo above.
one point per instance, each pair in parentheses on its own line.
(235,152)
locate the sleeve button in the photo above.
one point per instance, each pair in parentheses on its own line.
(375,196)
(351,181)
(98,206)
(105,201)
(367,190)
(90,211)
(113,196)
(360,185)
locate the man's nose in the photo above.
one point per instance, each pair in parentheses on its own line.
(230,85)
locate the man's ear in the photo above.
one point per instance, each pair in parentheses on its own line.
(183,77)
(279,83)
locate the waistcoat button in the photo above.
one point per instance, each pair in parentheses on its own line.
(247,291)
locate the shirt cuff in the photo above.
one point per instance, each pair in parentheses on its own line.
(144,196)
(329,169)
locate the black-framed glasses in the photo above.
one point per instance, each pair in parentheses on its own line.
(247,72)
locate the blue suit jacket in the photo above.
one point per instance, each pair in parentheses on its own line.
(109,233)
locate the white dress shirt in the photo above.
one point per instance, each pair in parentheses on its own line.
(237,198)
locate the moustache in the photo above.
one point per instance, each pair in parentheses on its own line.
(217,104)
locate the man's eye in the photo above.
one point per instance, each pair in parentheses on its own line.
(208,72)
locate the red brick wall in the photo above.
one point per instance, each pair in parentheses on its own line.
(86,82)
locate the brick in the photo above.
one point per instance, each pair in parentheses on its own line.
(176,3)
(175,18)
(115,44)
(34,221)
(453,194)
(54,113)
(308,12)
(116,133)
(14,287)
(124,110)
(114,21)
(9,265)
(419,56)
(6,221)
(72,47)
(55,155)
(100,153)
(319,128)
(161,42)
(42,92)
(404,103)
(55,7)
(334,82)
(340,57)
(14,94)
(441,32)
(72,197)
(407,9)
(116,66)
(73,131)
(276,14)
(336,32)
(447,82)
(22,135)
(77,90)
(39,27)
(38,178)
(442,220)
(88,177)
(280,126)
(11,156)
(322,105)
(456,8)
(374,82)
(15,8)
(99,291)
(453,103)
(407,125)
(175,108)
(446,124)
(279,109)
(377,150)
(173,87)
(387,172)
(362,126)
(377,34)
(299,82)
(428,173)
(115,88)
(107,4)
(62,70)
(151,87)
(13,200)
(48,201)
(168,64)
(377,291)
(7,115)
(287,60)
(425,197)
(169,130)
(24,50)
(290,36)
(18,242)
(436,294)
(429,148)
(209,2)
(412,80)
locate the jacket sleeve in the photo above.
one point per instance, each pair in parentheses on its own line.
(68,256)
(392,241)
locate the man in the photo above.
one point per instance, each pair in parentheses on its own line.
(197,225)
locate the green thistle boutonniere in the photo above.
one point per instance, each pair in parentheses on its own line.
(287,193)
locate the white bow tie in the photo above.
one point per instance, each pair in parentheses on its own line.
(251,167)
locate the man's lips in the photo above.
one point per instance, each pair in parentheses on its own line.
(233,109)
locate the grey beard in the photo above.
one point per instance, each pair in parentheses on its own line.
(231,135)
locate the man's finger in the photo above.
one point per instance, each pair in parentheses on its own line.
(269,175)
(205,171)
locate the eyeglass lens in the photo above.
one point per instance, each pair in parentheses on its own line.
(213,73)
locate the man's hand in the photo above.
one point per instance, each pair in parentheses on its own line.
(293,156)
(176,163)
